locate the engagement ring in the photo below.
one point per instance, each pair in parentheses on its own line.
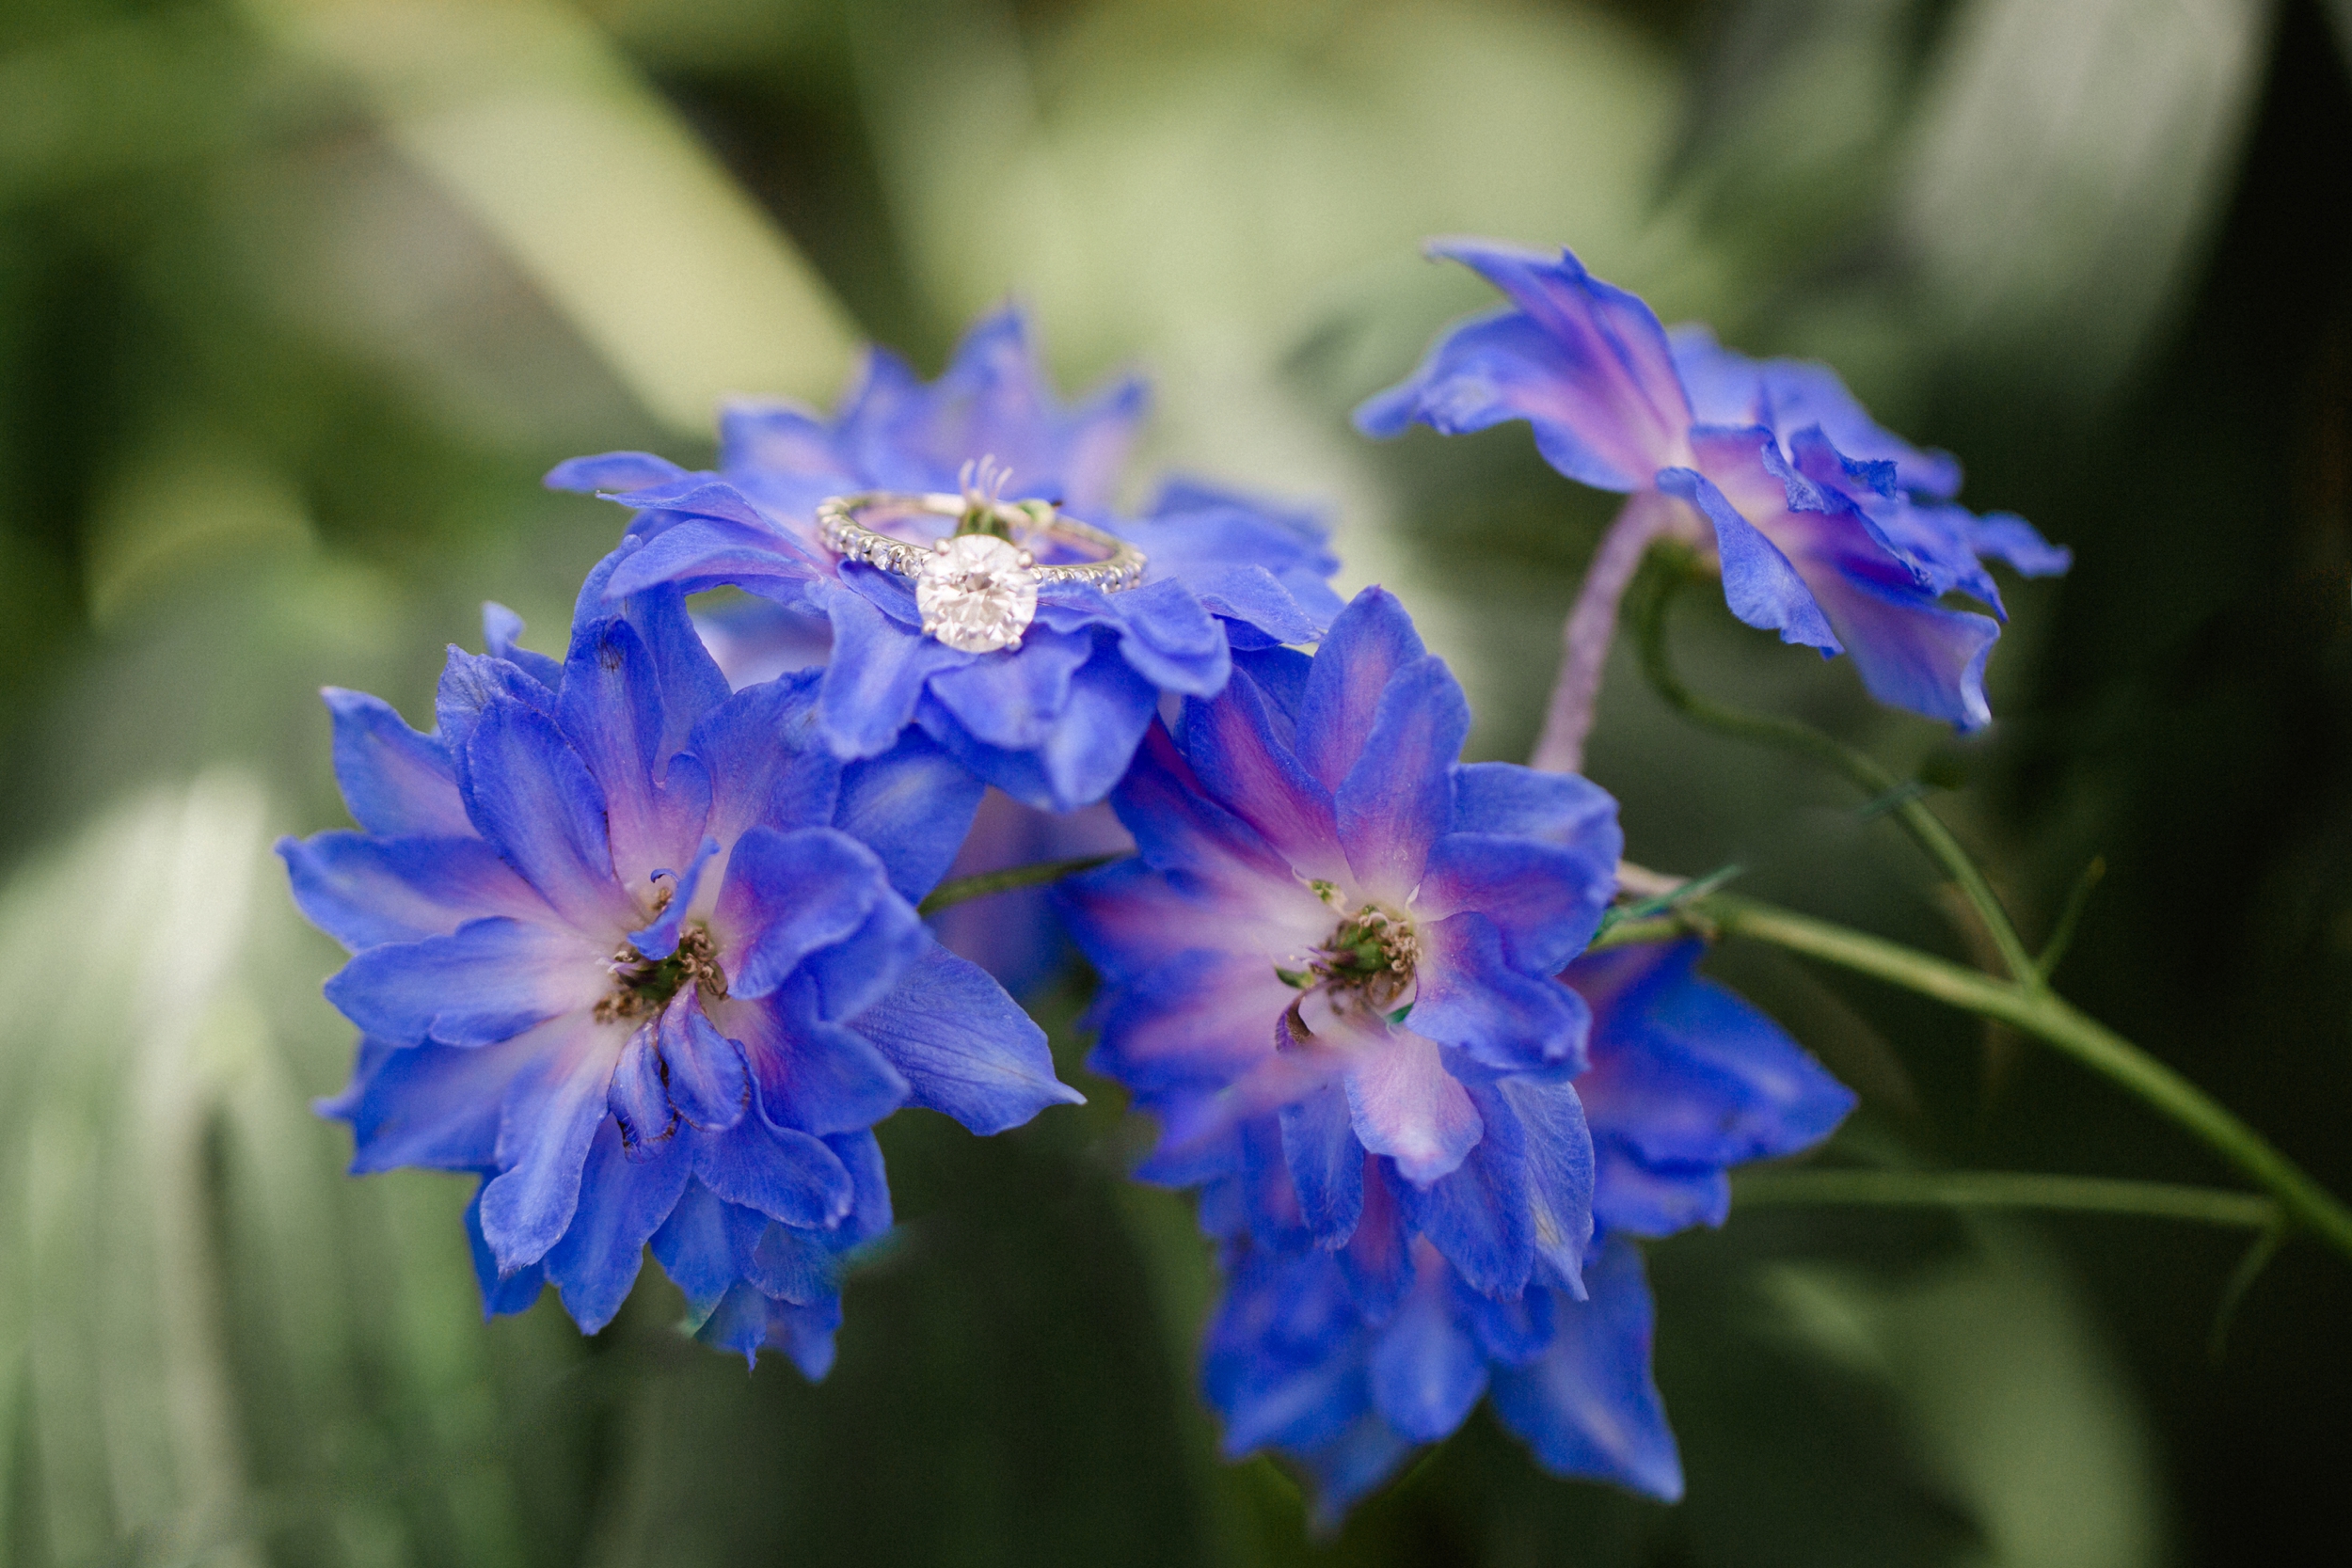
(977,587)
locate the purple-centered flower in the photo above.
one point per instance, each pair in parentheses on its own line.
(1685,1080)
(1334,955)
(1054,721)
(643,954)
(1828,530)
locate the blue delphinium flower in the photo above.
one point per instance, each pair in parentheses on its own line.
(645,954)
(1685,1080)
(1828,530)
(1054,721)
(1332,958)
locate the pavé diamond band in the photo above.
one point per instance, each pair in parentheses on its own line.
(976,588)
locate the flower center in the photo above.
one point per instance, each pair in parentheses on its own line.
(1367,962)
(645,986)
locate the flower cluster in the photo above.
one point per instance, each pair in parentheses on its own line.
(1335,971)
(1828,530)
(634,934)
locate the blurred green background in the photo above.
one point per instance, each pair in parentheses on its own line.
(299,297)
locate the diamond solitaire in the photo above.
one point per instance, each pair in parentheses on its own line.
(976,588)
(977,593)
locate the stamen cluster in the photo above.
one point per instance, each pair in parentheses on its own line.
(646,985)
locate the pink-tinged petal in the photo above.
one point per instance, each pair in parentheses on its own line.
(1325,1163)
(486,981)
(1239,760)
(1760,585)
(818,1077)
(1178,829)
(1586,363)
(1547,901)
(550,1119)
(788,894)
(612,711)
(1378,1262)
(1202,1018)
(395,782)
(1369,644)
(1477,1214)
(1407,1106)
(1399,795)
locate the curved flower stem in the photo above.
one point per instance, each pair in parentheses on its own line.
(2038,1012)
(961,889)
(2005,1190)
(1592,625)
(1674,566)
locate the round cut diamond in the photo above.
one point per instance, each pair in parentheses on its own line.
(976,595)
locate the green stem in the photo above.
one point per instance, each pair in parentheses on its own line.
(2036,1012)
(2005,1190)
(1672,565)
(963,889)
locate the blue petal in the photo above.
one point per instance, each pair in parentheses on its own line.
(1563,1189)
(1327,1164)
(1398,796)
(501,636)
(1478,1215)
(659,940)
(488,980)
(804,1334)
(1177,827)
(622,1203)
(612,470)
(964,1047)
(703,1069)
(1557,808)
(766,762)
(1370,642)
(1426,1372)
(1587,1406)
(1239,758)
(782,1173)
(781,435)
(549,1120)
(638,1100)
(1470,997)
(704,552)
(1729,389)
(788,894)
(1545,901)
(1014,701)
(1350,1464)
(693,1248)
(1172,641)
(913,805)
(880,668)
(1378,1262)
(1685,1072)
(364,892)
(1586,363)
(1642,1198)
(814,1075)
(502,1294)
(783,1261)
(1280,675)
(434,1106)
(468,685)
(1111,707)
(535,801)
(851,977)
(1760,584)
(394,780)
(611,711)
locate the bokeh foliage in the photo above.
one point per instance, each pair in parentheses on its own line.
(298,297)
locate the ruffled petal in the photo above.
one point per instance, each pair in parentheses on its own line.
(816,1076)
(502,1294)
(612,471)
(1760,585)
(1082,757)
(433,1106)
(1477,1215)
(787,895)
(1562,1180)
(913,807)
(1545,901)
(1325,1163)
(880,668)
(1241,760)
